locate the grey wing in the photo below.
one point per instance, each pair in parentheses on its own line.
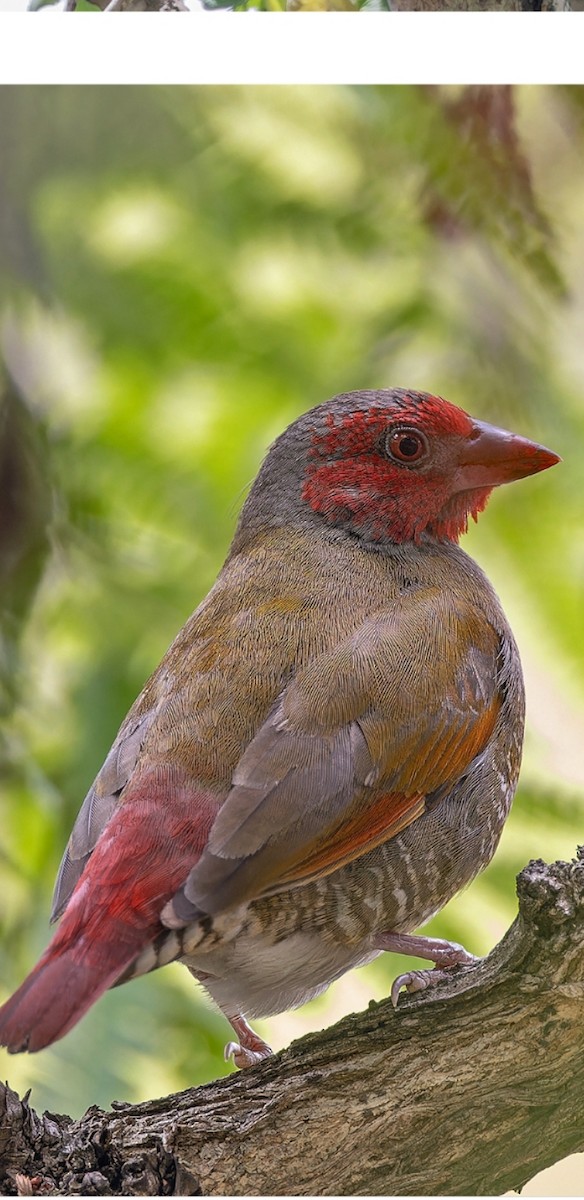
(98,806)
(266,819)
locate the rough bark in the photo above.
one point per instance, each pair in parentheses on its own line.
(470,1088)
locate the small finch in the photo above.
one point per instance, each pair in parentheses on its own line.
(329,749)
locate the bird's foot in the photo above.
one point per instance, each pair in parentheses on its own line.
(442,953)
(250,1049)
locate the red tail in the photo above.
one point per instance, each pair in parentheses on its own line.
(55,996)
(142,858)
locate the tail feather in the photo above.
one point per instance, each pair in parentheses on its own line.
(56,994)
(143,856)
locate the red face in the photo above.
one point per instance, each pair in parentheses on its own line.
(386,472)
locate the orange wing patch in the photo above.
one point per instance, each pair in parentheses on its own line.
(391,812)
(374,824)
(456,749)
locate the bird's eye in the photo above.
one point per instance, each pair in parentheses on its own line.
(406,445)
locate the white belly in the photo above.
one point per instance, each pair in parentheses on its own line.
(258,979)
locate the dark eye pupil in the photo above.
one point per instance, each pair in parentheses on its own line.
(408,446)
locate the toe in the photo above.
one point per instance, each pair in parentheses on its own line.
(412,981)
(242,1056)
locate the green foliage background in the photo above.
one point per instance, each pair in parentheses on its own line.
(183,270)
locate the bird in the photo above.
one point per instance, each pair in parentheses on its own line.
(329,749)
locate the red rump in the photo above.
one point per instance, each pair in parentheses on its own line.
(140,861)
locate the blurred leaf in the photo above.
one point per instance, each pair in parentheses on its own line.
(25,514)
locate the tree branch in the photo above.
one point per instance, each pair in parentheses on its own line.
(470,1088)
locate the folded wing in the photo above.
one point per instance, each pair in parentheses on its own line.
(355,745)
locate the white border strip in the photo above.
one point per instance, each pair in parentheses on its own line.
(248,48)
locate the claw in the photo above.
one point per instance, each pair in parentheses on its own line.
(413,981)
(250,1049)
(443,954)
(241,1057)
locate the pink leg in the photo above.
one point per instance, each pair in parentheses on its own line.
(443,954)
(250,1049)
